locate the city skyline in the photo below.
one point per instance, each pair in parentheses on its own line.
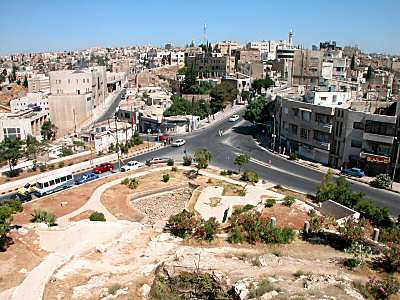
(79,24)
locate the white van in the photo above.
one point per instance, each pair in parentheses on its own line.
(54,183)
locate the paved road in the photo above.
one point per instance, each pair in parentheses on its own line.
(110,112)
(237,139)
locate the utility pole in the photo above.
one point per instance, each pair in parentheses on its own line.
(116,139)
(396,162)
(274,133)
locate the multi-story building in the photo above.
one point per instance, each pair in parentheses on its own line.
(31,100)
(249,55)
(307,67)
(227,47)
(74,96)
(39,83)
(211,64)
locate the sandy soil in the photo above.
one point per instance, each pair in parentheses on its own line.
(293,217)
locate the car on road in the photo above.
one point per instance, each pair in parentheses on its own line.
(179,143)
(86,178)
(163,138)
(22,197)
(157,160)
(356,172)
(234,118)
(131,165)
(104,167)
(27,188)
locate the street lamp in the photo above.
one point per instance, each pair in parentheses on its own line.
(148,134)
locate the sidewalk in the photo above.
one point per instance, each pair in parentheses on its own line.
(322,168)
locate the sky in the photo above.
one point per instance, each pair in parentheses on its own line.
(52,25)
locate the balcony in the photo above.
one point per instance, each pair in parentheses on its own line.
(378,138)
(322,145)
(326,127)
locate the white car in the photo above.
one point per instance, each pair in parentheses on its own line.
(131,165)
(234,118)
(178,143)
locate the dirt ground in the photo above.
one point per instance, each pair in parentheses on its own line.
(287,192)
(19,258)
(293,217)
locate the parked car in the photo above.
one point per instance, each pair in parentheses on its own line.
(234,118)
(354,172)
(178,143)
(156,160)
(27,188)
(104,167)
(86,178)
(22,197)
(164,138)
(131,165)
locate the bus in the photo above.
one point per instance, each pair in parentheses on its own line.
(54,183)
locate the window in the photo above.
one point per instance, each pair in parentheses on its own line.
(358,125)
(304,133)
(69,177)
(293,129)
(356,144)
(380,128)
(323,98)
(334,98)
(51,182)
(295,111)
(46,184)
(322,137)
(63,179)
(306,116)
(58,180)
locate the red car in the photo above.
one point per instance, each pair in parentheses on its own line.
(104,167)
(164,138)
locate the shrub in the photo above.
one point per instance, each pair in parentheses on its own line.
(390,235)
(61,164)
(382,289)
(293,156)
(242,193)
(249,176)
(382,181)
(131,183)
(42,168)
(42,216)
(170,162)
(289,201)
(262,288)
(182,224)
(174,169)
(270,202)
(223,173)
(165,177)
(229,172)
(187,160)
(353,231)
(392,258)
(52,167)
(299,273)
(351,263)
(114,288)
(206,230)
(97,216)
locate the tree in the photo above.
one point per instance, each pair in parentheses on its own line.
(190,80)
(245,95)
(202,158)
(256,110)
(221,95)
(25,83)
(32,147)
(370,72)
(10,151)
(353,62)
(265,83)
(382,181)
(241,160)
(7,209)
(48,130)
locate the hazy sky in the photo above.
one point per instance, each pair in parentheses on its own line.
(42,25)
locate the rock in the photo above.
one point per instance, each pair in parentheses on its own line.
(269,295)
(22,231)
(241,289)
(23,271)
(272,279)
(100,248)
(145,290)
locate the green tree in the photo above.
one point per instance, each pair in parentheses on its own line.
(241,160)
(265,83)
(190,80)
(32,147)
(25,83)
(10,151)
(7,209)
(48,130)
(223,94)
(353,62)
(256,110)
(202,158)
(370,72)
(245,95)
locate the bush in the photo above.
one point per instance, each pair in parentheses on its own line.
(270,202)
(242,193)
(249,176)
(42,168)
(170,162)
(207,229)
(61,164)
(390,235)
(353,231)
(382,181)
(42,216)
(223,173)
(351,263)
(97,216)
(187,160)
(293,156)
(249,226)
(112,290)
(174,169)
(165,177)
(289,201)
(382,289)
(131,183)
(52,167)
(262,288)
(182,224)
(392,258)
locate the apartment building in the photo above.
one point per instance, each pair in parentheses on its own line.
(249,55)
(365,136)
(307,67)
(211,64)
(227,47)
(74,95)
(39,83)
(21,124)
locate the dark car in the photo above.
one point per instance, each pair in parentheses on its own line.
(86,178)
(356,172)
(104,167)
(156,160)
(22,197)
